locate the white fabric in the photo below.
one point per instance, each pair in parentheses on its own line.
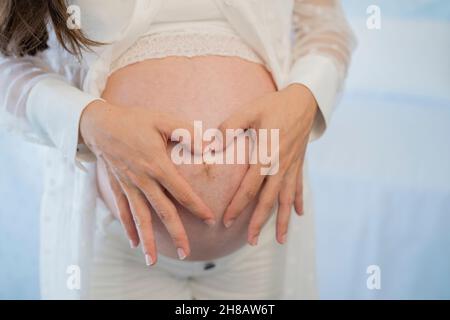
(45,103)
(188,43)
(69,198)
(188,11)
(188,29)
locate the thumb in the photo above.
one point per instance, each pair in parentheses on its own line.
(187,133)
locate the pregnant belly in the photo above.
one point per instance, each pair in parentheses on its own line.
(207,89)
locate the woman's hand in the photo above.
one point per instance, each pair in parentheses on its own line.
(132,143)
(292,111)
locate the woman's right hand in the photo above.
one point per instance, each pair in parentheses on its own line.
(132,142)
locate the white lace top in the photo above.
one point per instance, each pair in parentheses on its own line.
(188,29)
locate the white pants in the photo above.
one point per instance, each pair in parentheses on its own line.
(119,272)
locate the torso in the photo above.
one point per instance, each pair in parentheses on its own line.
(209,86)
(202,88)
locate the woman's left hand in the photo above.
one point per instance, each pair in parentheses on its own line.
(292,111)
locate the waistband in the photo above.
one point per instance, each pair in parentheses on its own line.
(192,43)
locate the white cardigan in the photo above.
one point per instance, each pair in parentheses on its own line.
(42,97)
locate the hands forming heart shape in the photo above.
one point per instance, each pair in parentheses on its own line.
(132,143)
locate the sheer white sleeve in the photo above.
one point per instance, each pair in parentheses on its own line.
(39,99)
(323,45)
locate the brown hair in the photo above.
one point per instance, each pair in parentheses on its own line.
(23,27)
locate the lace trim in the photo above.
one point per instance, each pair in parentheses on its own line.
(184,44)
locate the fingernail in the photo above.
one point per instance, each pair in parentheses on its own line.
(229,223)
(210,222)
(254,240)
(283,238)
(181,254)
(148,260)
(132,244)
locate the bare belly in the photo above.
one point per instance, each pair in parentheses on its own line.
(208,89)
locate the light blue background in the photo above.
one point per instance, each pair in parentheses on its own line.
(380,176)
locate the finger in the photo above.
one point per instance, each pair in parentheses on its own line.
(285,202)
(238,120)
(168,214)
(298,202)
(263,209)
(176,129)
(247,191)
(143,221)
(123,208)
(176,185)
